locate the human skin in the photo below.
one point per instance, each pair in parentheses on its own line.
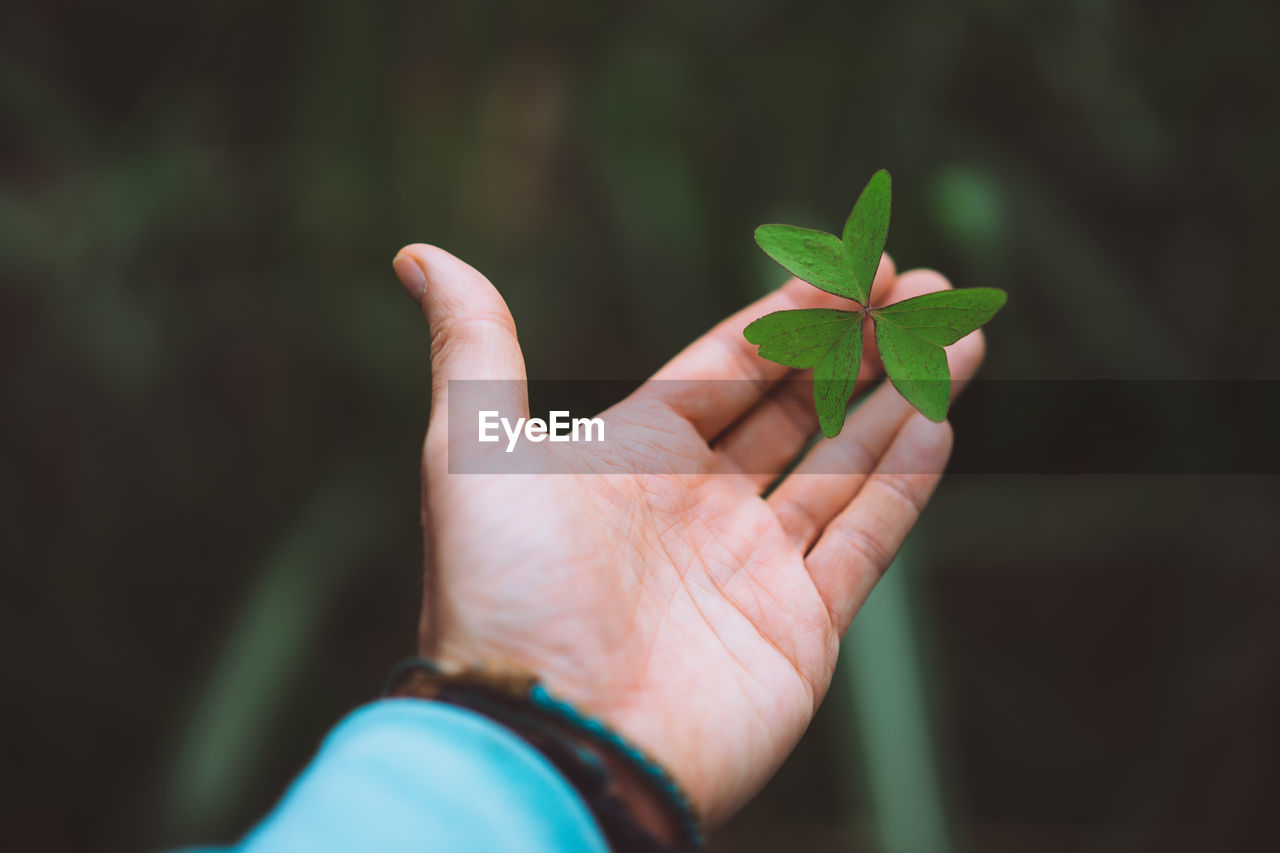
(696,607)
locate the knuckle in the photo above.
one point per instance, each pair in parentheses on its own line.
(477,330)
(899,487)
(864,546)
(858,455)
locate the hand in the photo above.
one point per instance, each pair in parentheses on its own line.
(697,617)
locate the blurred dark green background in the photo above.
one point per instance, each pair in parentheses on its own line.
(214,389)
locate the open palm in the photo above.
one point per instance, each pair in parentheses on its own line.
(658,587)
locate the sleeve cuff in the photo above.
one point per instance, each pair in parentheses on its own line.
(412,775)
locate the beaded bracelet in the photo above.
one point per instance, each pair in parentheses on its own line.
(557,730)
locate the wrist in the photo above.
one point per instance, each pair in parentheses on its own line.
(637,803)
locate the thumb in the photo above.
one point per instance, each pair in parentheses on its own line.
(472,334)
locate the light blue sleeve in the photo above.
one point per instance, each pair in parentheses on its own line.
(410,775)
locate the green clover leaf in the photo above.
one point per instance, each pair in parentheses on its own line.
(813,256)
(910,334)
(825,339)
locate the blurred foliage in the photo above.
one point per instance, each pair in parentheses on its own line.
(206,358)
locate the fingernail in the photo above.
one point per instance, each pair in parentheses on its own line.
(411,276)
